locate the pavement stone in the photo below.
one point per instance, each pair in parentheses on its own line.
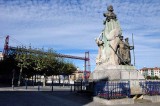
(61,96)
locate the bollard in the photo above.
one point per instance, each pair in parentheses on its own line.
(26,84)
(52,85)
(71,87)
(74,86)
(13,78)
(13,87)
(81,85)
(38,87)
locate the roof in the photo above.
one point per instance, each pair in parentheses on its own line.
(155,68)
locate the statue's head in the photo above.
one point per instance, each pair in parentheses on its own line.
(110,14)
(121,37)
(110,8)
(126,39)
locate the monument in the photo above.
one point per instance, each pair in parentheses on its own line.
(113,62)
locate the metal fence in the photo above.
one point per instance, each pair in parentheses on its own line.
(79,85)
(118,89)
(150,87)
(112,89)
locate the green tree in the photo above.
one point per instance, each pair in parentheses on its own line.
(51,63)
(148,77)
(156,77)
(33,62)
(59,67)
(6,67)
(23,62)
(69,69)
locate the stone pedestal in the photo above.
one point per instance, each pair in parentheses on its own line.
(119,73)
(155,98)
(114,101)
(116,72)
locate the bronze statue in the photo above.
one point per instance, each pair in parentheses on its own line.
(121,51)
(127,56)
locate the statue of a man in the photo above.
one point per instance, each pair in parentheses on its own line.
(121,51)
(100,44)
(127,56)
(110,14)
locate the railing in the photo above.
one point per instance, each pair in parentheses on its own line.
(79,85)
(150,87)
(112,89)
(118,89)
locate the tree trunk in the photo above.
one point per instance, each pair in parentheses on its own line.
(63,80)
(13,78)
(35,79)
(56,78)
(52,81)
(20,74)
(44,80)
(32,81)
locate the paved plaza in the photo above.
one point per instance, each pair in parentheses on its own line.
(61,96)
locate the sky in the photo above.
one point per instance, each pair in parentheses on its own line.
(71,26)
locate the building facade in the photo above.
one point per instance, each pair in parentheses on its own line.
(80,75)
(1,56)
(152,72)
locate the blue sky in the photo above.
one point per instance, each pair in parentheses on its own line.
(70,26)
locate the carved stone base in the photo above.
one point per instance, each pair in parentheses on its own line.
(116,72)
(119,73)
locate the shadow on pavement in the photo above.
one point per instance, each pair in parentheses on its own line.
(59,97)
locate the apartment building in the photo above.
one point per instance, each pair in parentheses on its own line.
(150,72)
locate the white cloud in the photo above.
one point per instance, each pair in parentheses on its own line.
(73,24)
